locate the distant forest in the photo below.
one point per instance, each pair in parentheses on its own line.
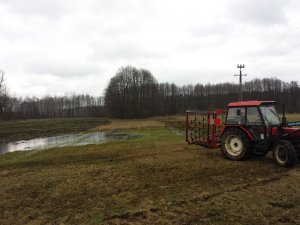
(135,93)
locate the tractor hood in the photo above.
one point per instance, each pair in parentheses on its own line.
(291,131)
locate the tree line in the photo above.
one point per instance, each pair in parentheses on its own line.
(176,99)
(53,107)
(135,93)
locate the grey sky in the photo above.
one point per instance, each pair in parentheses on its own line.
(65,46)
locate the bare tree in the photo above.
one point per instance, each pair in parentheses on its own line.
(3,95)
(132,93)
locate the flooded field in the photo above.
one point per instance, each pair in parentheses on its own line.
(64,140)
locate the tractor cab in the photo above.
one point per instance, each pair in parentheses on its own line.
(257,118)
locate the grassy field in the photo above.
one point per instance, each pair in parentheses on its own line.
(27,129)
(156,179)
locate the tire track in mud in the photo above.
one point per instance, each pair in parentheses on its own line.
(129,216)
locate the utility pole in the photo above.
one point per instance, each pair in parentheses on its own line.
(241,66)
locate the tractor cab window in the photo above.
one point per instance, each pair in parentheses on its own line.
(253,116)
(270,115)
(236,116)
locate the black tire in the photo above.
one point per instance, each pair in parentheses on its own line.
(284,153)
(236,145)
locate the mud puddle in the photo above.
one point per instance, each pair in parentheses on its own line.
(65,140)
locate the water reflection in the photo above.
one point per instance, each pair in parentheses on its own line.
(63,140)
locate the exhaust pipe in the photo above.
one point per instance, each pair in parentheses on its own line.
(284,122)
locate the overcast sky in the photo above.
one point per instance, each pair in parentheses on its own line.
(65,46)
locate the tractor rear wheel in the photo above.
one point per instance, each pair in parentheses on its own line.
(284,153)
(236,145)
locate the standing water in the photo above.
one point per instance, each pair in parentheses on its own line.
(64,140)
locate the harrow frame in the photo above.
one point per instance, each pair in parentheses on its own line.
(204,127)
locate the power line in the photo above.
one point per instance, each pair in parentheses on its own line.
(290,49)
(284,53)
(277,42)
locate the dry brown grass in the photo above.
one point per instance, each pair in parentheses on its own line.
(28,129)
(293,117)
(130,124)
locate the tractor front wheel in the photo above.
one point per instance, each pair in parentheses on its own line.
(235,144)
(284,153)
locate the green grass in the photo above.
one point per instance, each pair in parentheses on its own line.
(156,179)
(28,129)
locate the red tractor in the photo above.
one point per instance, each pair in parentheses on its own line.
(246,128)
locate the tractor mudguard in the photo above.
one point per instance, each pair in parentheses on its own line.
(239,127)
